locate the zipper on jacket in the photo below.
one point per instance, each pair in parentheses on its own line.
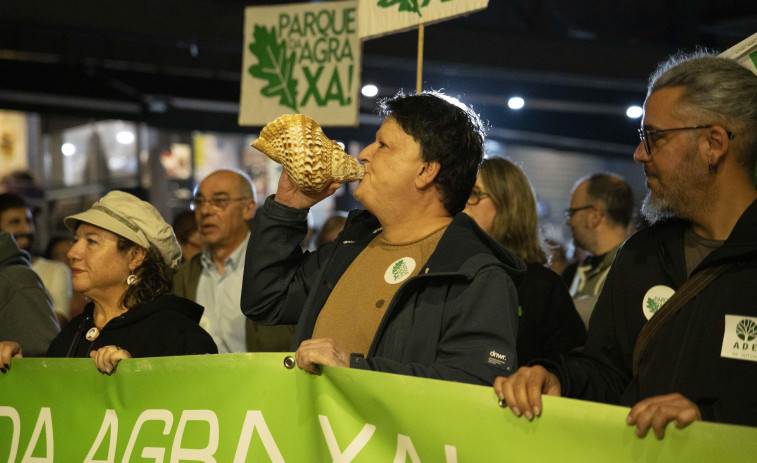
(404,288)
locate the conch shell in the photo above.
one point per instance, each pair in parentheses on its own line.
(311,159)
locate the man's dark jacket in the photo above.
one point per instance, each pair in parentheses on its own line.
(456,320)
(685,357)
(26,310)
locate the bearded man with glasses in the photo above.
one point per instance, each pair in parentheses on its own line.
(674,332)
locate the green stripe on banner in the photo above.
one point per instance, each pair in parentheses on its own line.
(249,407)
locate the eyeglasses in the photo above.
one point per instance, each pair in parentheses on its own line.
(644,134)
(570,212)
(218,203)
(476,196)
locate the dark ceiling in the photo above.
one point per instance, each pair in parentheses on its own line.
(177,63)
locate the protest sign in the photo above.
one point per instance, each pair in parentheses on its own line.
(301,58)
(744,52)
(381,17)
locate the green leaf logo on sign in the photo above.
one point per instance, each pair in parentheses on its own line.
(275,66)
(412,6)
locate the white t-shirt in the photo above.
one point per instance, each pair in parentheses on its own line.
(56,277)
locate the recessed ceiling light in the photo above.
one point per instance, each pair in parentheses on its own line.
(634,112)
(369,90)
(516,102)
(68,149)
(125,137)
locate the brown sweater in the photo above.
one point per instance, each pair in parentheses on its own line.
(357,304)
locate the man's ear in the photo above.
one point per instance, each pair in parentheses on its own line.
(249,210)
(426,176)
(138,256)
(718,142)
(595,216)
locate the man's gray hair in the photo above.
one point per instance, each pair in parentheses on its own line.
(716,91)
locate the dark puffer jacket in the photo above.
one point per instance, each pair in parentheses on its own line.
(456,320)
(695,354)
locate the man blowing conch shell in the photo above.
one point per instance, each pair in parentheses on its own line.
(412,285)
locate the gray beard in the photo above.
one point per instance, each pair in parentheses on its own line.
(654,209)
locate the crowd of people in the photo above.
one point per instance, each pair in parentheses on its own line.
(443,274)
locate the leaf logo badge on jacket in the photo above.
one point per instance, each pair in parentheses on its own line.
(399,270)
(655,298)
(740,338)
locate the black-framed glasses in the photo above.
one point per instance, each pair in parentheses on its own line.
(218,203)
(476,196)
(644,134)
(569,212)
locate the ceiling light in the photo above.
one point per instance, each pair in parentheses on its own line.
(516,102)
(369,90)
(634,112)
(125,137)
(68,149)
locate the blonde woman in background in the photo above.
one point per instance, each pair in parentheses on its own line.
(502,203)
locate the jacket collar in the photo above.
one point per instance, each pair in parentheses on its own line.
(462,240)
(741,241)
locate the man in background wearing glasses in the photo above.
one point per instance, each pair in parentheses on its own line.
(698,149)
(223,204)
(600,211)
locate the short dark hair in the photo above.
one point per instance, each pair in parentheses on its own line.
(184,224)
(11,201)
(616,195)
(449,133)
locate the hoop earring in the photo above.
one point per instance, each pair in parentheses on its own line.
(131,279)
(711,167)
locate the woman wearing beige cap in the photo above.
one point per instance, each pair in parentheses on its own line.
(123,258)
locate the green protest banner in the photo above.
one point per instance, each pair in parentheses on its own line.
(381,17)
(301,58)
(250,407)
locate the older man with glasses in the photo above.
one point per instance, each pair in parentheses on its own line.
(223,204)
(674,333)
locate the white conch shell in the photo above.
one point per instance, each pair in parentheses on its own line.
(311,159)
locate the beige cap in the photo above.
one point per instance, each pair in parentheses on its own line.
(136,220)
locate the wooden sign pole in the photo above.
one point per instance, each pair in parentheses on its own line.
(419,77)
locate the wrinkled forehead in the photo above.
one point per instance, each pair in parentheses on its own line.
(580,192)
(661,105)
(219,184)
(86,229)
